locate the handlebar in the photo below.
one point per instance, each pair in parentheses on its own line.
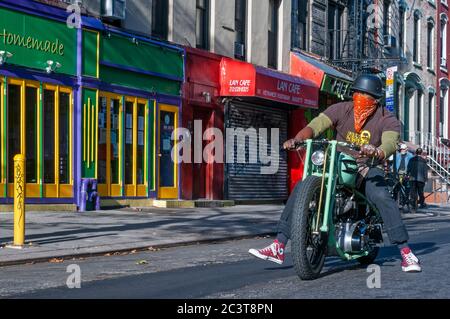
(352,147)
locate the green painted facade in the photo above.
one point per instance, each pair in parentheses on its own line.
(140,59)
(90,48)
(33,41)
(90,126)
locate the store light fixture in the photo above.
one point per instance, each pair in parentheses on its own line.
(52,66)
(4,56)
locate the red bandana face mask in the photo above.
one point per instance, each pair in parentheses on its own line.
(364,107)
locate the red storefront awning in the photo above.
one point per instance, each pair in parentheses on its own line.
(246,80)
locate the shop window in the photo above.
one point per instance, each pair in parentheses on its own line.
(102,141)
(31,104)
(42,131)
(13,131)
(140,159)
(115,159)
(129,106)
(64,138)
(49,136)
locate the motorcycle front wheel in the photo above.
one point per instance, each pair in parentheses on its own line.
(308,249)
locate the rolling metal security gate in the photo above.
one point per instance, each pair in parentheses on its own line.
(245,181)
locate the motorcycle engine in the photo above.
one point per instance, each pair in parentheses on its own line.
(355,237)
(352,237)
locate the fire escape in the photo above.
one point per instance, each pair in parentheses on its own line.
(367,41)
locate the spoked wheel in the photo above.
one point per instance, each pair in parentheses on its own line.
(308,248)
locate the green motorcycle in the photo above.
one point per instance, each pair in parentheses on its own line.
(331,216)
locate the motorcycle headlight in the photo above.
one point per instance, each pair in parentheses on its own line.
(318,158)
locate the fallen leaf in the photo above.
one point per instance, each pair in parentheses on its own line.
(56,260)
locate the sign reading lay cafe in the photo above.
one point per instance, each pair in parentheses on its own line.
(246,80)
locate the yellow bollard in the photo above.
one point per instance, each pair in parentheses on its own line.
(19,200)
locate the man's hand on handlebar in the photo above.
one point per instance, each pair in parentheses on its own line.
(291,144)
(371,152)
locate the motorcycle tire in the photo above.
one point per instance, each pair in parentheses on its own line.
(370,258)
(301,231)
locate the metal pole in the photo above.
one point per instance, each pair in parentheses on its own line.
(19,200)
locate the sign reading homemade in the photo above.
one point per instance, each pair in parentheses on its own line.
(34,40)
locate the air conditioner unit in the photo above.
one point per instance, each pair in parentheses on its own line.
(239,50)
(114,9)
(390,41)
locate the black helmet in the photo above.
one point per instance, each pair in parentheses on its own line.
(370,84)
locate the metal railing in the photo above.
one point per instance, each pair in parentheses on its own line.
(438,162)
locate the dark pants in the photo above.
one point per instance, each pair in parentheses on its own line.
(377,193)
(417,192)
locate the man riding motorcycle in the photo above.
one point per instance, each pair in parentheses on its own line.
(363,122)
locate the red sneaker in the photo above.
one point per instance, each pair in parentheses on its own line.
(274,253)
(410,262)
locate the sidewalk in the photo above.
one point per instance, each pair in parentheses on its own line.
(67,235)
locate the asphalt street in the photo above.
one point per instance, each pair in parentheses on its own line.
(225,270)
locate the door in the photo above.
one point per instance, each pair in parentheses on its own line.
(200,174)
(168,167)
(136,167)
(109,124)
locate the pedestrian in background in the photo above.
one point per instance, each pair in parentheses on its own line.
(418,174)
(402,160)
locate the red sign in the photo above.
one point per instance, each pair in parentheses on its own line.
(244,79)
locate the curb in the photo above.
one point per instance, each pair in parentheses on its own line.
(129,250)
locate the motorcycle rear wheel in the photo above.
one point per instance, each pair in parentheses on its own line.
(308,250)
(370,258)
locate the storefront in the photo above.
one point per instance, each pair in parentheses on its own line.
(131,108)
(258,105)
(83,105)
(202,111)
(335,87)
(36,103)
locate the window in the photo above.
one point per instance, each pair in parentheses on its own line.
(202,24)
(386,17)
(443,112)
(109,144)
(430,45)
(49,131)
(31,111)
(273,33)
(129,152)
(160,18)
(300,24)
(443,38)
(431,114)
(416,38)
(401,32)
(14,144)
(64,137)
(38,125)
(335,14)
(419,111)
(240,13)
